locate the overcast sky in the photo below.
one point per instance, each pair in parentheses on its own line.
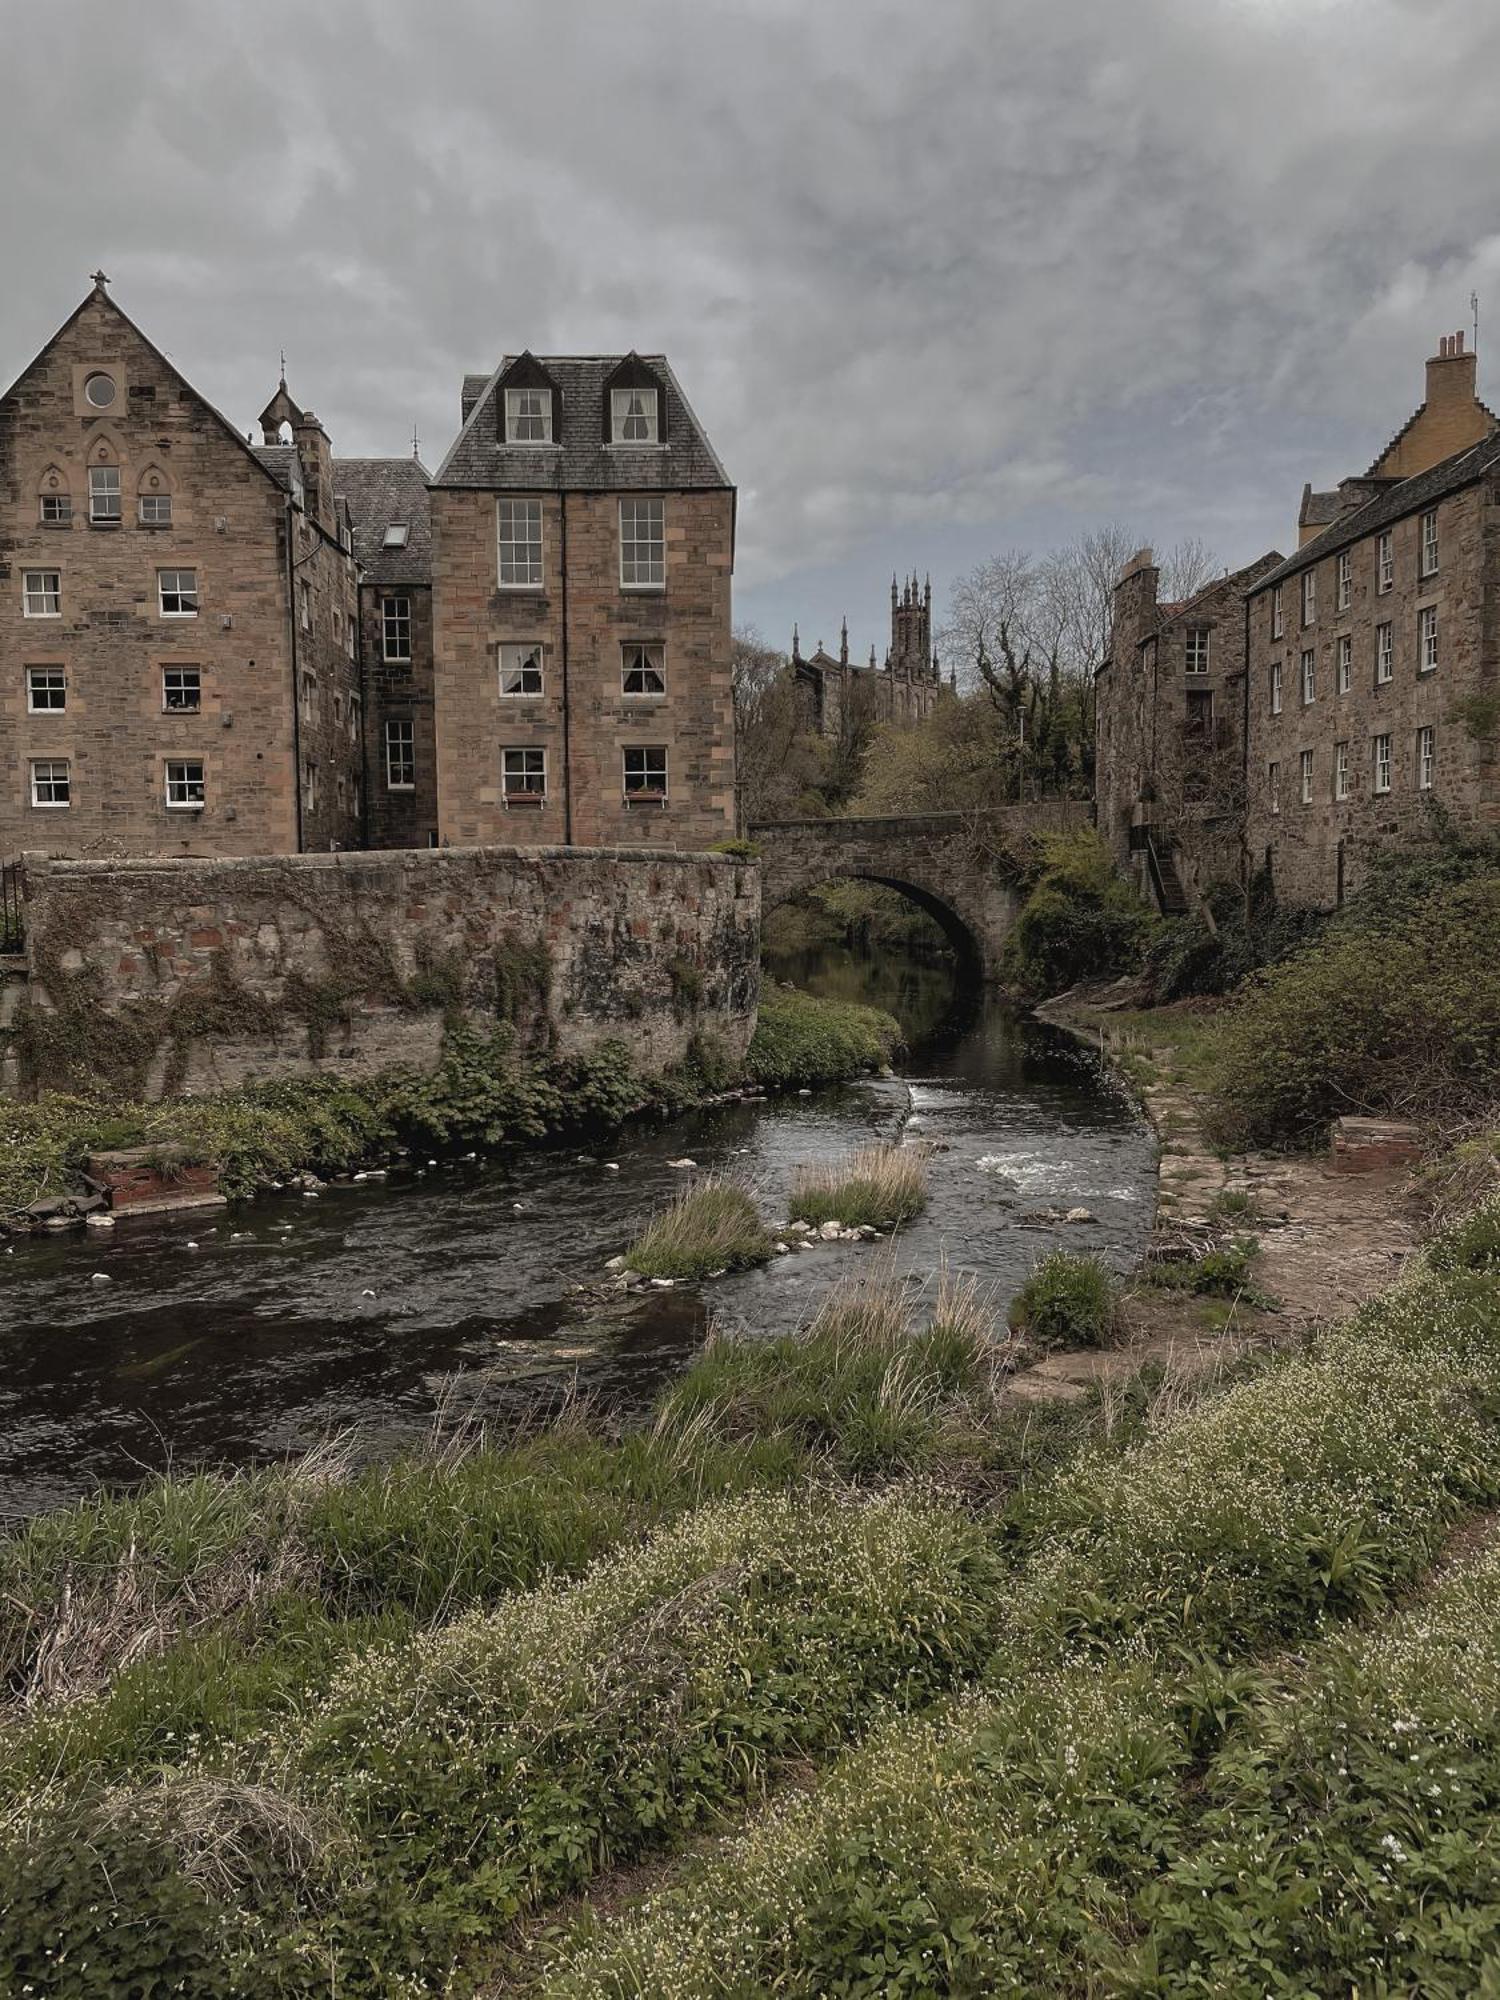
(941,277)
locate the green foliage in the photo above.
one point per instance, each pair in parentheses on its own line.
(877,1187)
(800,1039)
(1187,956)
(1222,1273)
(1068,1301)
(710,1228)
(1392,1009)
(1079,920)
(737,850)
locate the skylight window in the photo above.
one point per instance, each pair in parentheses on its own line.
(396,534)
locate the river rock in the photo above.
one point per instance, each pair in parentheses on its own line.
(781,1249)
(629,1277)
(830,1232)
(663,1284)
(615,1264)
(100,1221)
(1079,1215)
(797,1229)
(682,1163)
(100,1278)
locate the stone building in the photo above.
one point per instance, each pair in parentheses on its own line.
(388,503)
(177,642)
(1374,651)
(1170,731)
(583,543)
(840,694)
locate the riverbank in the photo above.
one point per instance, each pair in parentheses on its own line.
(483,1096)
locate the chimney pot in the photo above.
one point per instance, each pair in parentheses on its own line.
(1459,338)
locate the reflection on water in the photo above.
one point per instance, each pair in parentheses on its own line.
(918,991)
(371,1304)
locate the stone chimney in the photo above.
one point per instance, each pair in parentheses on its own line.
(1451,419)
(1452,374)
(315,458)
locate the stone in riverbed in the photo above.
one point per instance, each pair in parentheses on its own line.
(682,1163)
(615,1264)
(1079,1215)
(830,1232)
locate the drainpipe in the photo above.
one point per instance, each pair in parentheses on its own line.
(567,744)
(1246,871)
(291,604)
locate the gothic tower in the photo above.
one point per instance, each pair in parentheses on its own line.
(910,656)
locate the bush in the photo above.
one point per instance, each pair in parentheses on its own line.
(709,1228)
(800,1039)
(1068,1301)
(1224,1273)
(878,1187)
(1078,921)
(1394,1013)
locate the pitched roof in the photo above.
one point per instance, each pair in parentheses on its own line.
(1403,497)
(1319,509)
(280,460)
(382,492)
(581,460)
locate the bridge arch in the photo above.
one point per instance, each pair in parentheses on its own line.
(944,862)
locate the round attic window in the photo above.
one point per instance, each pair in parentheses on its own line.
(100,390)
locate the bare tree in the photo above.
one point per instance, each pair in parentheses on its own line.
(776,756)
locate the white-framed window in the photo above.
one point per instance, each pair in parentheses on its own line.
(310,784)
(1275,687)
(356,718)
(1380,754)
(177,592)
(1278,620)
(395,628)
(643,560)
(519,527)
(1273,786)
(309,697)
(1429,543)
(1344,580)
(1341,770)
(1385,653)
(46,690)
(51,782)
(528,416)
(1309,596)
(104,492)
(523,776)
(396,535)
(522,668)
(1427,639)
(643,667)
(1197,645)
(185,790)
(154,510)
(1307,777)
(181,690)
(1345,657)
(1426,757)
(400,753)
(56,509)
(633,416)
(1385,562)
(1309,677)
(41,593)
(645,774)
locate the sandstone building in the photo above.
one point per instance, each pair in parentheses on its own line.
(210,647)
(1374,651)
(177,646)
(583,543)
(839,695)
(1169,723)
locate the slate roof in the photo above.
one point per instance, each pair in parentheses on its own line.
(580,460)
(379,492)
(1405,497)
(280,460)
(1319,510)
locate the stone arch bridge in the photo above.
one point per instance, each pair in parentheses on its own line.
(949,864)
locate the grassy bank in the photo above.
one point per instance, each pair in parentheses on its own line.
(708,1230)
(877,1187)
(482,1094)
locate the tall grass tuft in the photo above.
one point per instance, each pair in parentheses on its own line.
(877,1187)
(1068,1301)
(711,1227)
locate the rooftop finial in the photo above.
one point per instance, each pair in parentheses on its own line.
(416,443)
(796,644)
(100,278)
(283,367)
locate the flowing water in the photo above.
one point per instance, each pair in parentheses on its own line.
(472,1285)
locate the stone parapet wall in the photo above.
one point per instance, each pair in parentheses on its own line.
(216,973)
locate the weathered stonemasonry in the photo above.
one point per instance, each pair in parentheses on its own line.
(581,587)
(216,973)
(1170,730)
(840,697)
(1375,656)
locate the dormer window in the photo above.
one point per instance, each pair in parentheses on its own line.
(633,416)
(528,416)
(396,534)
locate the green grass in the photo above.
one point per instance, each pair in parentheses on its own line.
(1225,1273)
(1067,1301)
(801,1039)
(706,1230)
(876,1187)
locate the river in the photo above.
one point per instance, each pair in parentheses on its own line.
(467,1286)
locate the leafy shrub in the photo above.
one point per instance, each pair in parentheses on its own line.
(708,1228)
(1078,920)
(801,1039)
(1472,1244)
(1398,1011)
(876,1187)
(1222,1273)
(1188,957)
(1068,1301)
(737,850)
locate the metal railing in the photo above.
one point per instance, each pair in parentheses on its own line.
(12,908)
